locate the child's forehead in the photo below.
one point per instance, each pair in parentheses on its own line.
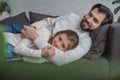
(62,34)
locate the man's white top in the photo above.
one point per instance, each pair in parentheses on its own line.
(72,22)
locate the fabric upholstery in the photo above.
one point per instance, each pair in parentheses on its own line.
(20,18)
(114,42)
(99,41)
(37,16)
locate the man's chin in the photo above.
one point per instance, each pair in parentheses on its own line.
(85,29)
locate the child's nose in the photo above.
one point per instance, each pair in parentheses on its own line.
(58,44)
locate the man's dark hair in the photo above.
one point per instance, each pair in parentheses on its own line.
(105,10)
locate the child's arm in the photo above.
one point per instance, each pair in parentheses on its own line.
(22,49)
(43,33)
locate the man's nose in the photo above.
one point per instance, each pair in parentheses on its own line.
(89,19)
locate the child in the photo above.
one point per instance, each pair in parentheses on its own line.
(63,40)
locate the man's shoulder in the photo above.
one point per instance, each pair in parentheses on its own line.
(73,14)
(71,17)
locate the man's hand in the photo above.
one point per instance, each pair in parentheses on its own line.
(29,32)
(48,51)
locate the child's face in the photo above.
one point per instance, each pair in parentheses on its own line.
(61,42)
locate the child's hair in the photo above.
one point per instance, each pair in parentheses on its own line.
(72,36)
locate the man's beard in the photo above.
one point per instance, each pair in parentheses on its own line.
(87,30)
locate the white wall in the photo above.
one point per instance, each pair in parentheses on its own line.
(57,7)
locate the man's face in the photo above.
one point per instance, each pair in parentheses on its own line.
(92,20)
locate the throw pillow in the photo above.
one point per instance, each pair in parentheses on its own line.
(37,16)
(20,18)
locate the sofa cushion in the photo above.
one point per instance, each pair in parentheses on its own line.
(37,16)
(99,41)
(82,69)
(20,18)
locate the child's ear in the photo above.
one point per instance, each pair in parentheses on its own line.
(34,27)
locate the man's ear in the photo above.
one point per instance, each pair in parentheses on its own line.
(50,36)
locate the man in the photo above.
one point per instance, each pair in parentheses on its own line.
(98,15)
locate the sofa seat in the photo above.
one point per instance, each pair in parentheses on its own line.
(82,69)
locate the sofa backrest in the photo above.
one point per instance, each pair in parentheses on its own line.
(113,47)
(99,42)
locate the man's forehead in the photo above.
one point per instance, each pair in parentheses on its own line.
(97,14)
(97,11)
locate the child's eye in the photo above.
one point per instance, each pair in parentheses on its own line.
(63,45)
(60,38)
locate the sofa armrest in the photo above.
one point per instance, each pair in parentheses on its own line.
(2,45)
(114,42)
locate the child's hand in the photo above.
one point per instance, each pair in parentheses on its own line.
(29,32)
(48,51)
(23,31)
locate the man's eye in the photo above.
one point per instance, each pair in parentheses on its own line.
(95,21)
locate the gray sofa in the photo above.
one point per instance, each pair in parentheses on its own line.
(103,67)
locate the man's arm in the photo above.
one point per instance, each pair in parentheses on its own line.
(61,57)
(45,23)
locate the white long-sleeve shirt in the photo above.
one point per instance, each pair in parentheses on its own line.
(70,21)
(24,47)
